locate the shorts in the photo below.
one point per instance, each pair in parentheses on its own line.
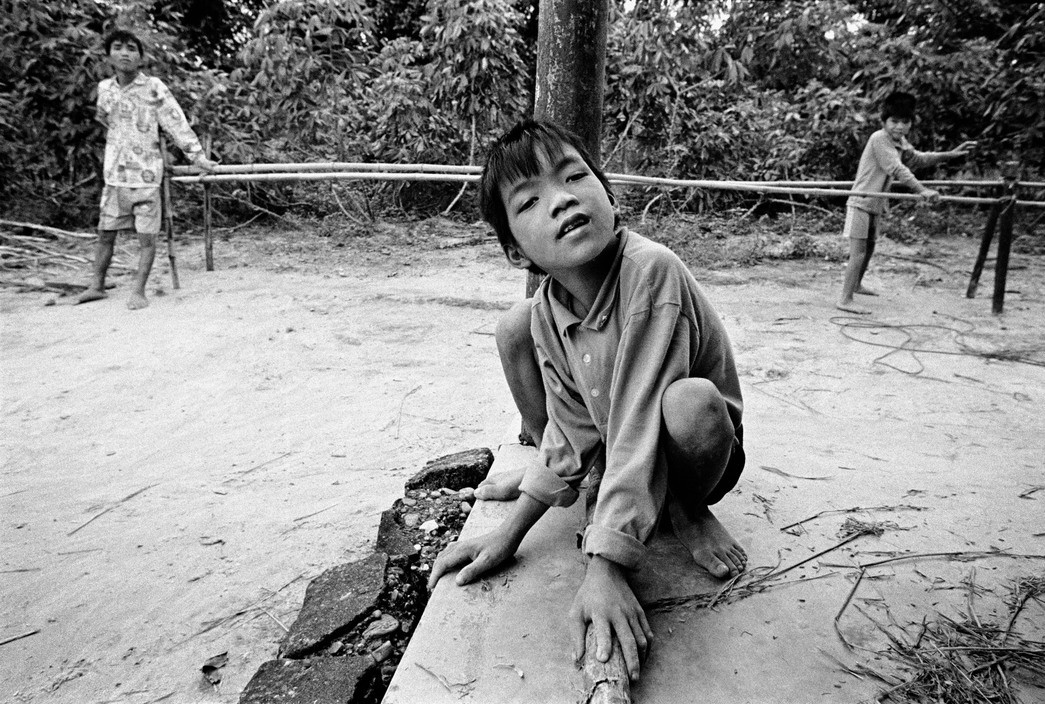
(860,224)
(126,208)
(734,468)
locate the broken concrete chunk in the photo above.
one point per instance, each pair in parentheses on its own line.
(381,652)
(384,626)
(351,680)
(429,526)
(454,471)
(334,603)
(390,536)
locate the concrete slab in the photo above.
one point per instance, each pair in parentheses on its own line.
(505,639)
(501,639)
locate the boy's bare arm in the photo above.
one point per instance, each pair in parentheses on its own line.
(606,600)
(487,552)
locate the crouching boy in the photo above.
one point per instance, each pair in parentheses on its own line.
(619,364)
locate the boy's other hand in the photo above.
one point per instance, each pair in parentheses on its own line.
(206,164)
(475,557)
(606,600)
(965,147)
(929,196)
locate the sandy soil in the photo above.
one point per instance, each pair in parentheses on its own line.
(173,478)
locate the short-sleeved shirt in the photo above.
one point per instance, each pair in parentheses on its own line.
(133,115)
(604,377)
(882,162)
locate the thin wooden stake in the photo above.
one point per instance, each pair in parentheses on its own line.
(208,235)
(168,216)
(985,246)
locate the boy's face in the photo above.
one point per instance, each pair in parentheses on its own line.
(124,56)
(561,219)
(897,127)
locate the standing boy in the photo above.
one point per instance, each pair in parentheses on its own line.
(632,374)
(884,161)
(133,107)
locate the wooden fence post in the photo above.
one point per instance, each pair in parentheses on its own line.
(1010,172)
(985,244)
(571,72)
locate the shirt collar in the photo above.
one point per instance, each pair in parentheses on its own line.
(560,300)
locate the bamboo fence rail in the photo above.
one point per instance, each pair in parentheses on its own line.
(356,171)
(1003,200)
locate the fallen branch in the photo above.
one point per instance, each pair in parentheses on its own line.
(115,505)
(12,639)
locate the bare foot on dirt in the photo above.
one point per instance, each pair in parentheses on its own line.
(137,301)
(850,307)
(502,487)
(864,291)
(91,294)
(711,545)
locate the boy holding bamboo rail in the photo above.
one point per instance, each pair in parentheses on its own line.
(620,364)
(133,107)
(884,160)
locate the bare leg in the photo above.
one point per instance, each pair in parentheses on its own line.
(860,288)
(102,258)
(853,271)
(699,438)
(519,361)
(146,255)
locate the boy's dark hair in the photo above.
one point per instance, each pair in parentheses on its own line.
(515,156)
(899,105)
(123,35)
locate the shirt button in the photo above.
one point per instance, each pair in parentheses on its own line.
(594,392)
(586,358)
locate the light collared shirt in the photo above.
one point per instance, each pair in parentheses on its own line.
(604,376)
(884,161)
(133,115)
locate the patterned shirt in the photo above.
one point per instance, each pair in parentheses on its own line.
(884,161)
(605,375)
(132,116)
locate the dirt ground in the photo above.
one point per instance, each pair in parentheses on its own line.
(173,478)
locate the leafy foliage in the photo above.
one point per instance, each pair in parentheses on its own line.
(730,89)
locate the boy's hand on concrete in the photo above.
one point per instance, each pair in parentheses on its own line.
(474,557)
(606,600)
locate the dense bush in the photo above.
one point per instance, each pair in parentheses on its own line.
(782,90)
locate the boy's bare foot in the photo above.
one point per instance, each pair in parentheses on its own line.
(137,301)
(864,291)
(91,294)
(502,487)
(850,307)
(711,545)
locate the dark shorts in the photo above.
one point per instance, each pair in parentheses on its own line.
(731,476)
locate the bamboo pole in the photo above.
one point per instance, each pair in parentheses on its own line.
(208,234)
(325,176)
(330,166)
(629,180)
